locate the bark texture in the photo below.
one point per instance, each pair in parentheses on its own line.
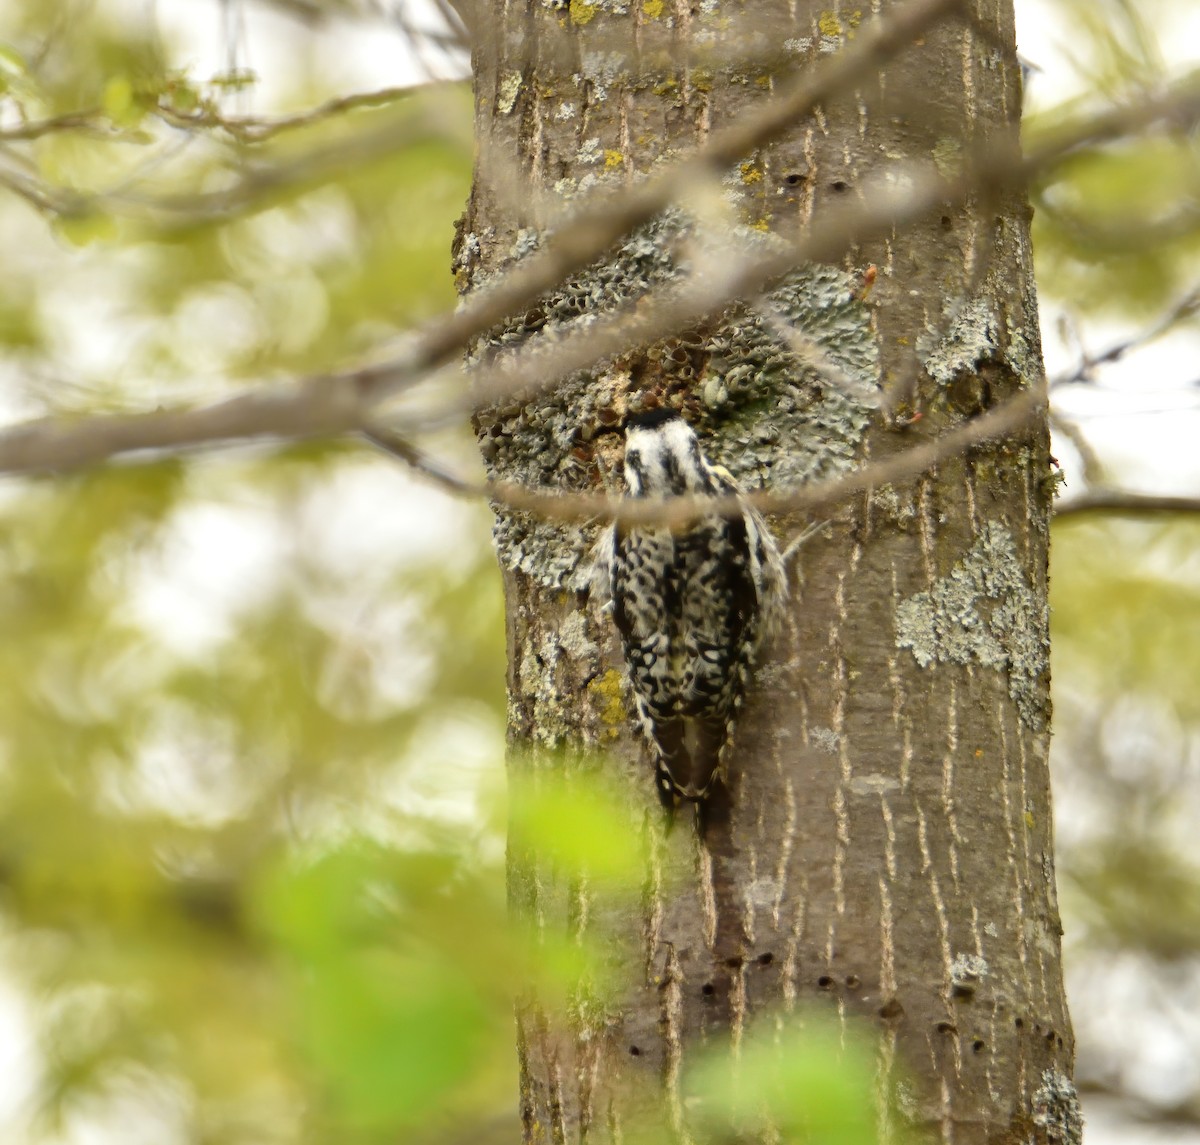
(888,854)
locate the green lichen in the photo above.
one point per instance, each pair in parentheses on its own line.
(545,678)
(972,339)
(975,334)
(792,422)
(575,639)
(967,971)
(783,391)
(984,611)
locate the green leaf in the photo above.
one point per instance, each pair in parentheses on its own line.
(119,102)
(86,228)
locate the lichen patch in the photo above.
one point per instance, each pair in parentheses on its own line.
(783,391)
(1057,1115)
(985,612)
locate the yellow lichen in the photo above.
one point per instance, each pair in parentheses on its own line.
(751,174)
(763,81)
(761,225)
(827,22)
(582,12)
(855,18)
(652,9)
(608,689)
(613,159)
(667,87)
(702,80)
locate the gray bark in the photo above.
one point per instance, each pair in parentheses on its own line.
(888,855)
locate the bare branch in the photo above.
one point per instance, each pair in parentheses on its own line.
(1187,307)
(1002,421)
(397,445)
(286,413)
(92,120)
(252,188)
(340,403)
(890,204)
(1115,502)
(254,129)
(1093,467)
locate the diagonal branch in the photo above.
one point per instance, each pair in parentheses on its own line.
(1002,421)
(338,403)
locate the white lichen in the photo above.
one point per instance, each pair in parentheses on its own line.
(967,969)
(1056,1111)
(573,636)
(972,339)
(601,70)
(984,611)
(589,151)
(825,739)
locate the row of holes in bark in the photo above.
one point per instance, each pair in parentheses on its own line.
(890,1010)
(978,1045)
(795,178)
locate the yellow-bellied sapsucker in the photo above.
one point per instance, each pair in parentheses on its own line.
(691,605)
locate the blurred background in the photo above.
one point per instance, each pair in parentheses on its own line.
(252,702)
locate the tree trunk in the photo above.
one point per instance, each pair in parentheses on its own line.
(888,854)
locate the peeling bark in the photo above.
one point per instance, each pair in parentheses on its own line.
(887,856)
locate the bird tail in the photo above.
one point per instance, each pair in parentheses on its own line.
(688,759)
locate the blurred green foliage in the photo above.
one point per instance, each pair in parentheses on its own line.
(1126,613)
(1117,228)
(810,1084)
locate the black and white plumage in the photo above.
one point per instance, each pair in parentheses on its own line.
(691,605)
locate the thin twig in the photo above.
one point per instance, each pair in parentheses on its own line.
(1110,502)
(397,445)
(1093,467)
(1085,370)
(91,120)
(1187,307)
(252,129)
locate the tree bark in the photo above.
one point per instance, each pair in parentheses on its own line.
(888,855)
